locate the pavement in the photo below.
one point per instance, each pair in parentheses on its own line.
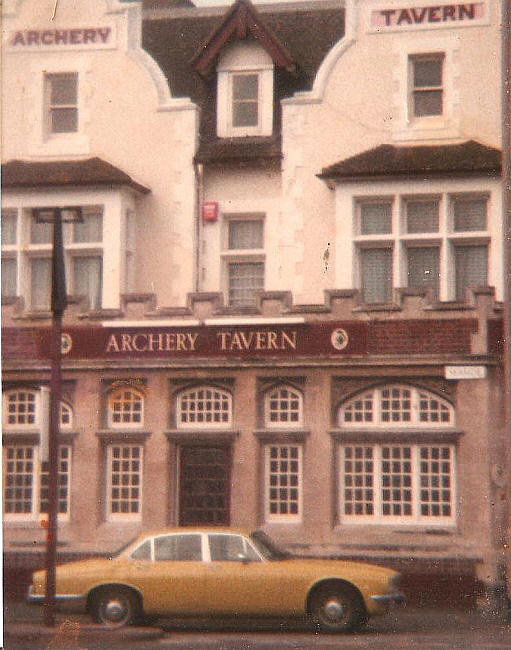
(407,627)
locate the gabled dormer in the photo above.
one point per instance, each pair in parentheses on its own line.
(244,53)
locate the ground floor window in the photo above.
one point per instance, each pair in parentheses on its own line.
(26,481)
(124,481)
(283,482)
(407,483)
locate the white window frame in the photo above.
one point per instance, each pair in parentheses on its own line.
(49,107)
(378,410)
(412,59)
(24,250)
(373,491)
(7,426)
(376,397)
(36,512)
(241,255)
(244,58)
(275,394)
(10,251)
(445,238)
(273,489)
(127,516)
(120,395)
(223,395)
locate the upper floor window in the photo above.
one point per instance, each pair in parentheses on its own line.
(204,406)
(26,257)
(427,90)
(125,408)
(61,91)
(244,259)
(283,407)
(438,243)
(245,91)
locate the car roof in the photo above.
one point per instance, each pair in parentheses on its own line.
(195,529)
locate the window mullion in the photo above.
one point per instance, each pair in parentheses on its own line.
(378,483)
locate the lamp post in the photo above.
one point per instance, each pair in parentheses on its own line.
(55,216)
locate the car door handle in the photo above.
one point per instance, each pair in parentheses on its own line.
(140,567)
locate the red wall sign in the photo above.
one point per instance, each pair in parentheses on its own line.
(209,211)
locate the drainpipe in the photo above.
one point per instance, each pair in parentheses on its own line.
(503,518)
(199,200)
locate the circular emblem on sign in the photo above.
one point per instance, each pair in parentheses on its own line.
(66,343)
(339,338)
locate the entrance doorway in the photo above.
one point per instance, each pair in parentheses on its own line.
(204,485)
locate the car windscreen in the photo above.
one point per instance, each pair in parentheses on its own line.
(122,549)
(267,547)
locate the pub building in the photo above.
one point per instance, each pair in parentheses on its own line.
(285,296)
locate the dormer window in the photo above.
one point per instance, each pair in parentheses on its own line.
(245,91)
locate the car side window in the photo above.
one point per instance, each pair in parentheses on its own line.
(230,548)
(178,548)
(143,552)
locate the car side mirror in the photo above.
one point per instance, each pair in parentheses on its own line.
(241,557)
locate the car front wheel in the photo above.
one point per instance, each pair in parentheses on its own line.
(115,607)
(338,608)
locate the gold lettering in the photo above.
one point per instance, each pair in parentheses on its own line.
(223,339)
(272,341)
(126,342)
(289,340)
(112,345)
(260,340)
(235,342)
(192,338)
(247,342)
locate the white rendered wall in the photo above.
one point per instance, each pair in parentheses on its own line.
(127,117)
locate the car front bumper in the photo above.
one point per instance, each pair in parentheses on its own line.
(65,602)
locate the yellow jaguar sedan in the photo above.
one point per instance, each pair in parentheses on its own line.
(220,572)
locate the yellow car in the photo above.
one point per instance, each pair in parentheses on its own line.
(220,572)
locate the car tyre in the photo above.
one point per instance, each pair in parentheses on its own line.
(338,608)
(115,607)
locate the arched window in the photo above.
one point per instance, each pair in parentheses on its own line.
(283,407)
(397,473)
(21,409)
(125,408)
(204,406)
(66,415)
(397,405)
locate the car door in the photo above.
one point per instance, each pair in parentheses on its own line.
(239,581)
(172,580)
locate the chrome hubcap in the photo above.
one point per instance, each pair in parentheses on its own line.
(114,610)
(333,610)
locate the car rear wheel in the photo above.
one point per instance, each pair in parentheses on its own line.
(115,606)
(338,608)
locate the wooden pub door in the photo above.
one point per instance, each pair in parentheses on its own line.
(204,485)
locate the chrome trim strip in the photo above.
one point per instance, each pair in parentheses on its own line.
(389,598)
(35,598)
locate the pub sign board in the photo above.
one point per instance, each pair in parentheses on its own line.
(307,339)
